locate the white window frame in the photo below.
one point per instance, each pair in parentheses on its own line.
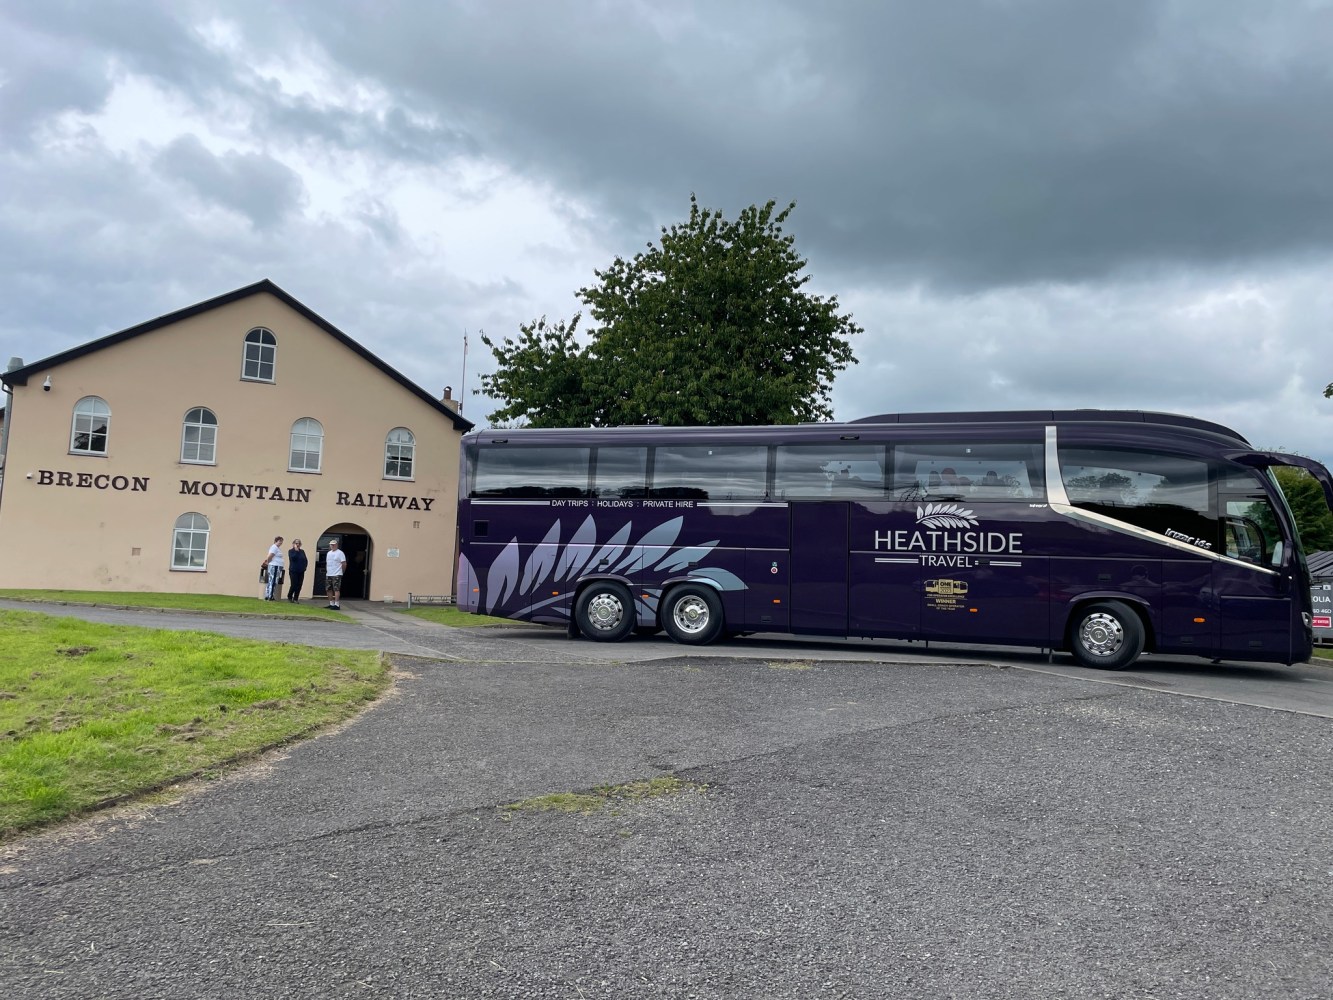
(308,431)
(87,412)
(399,449)
(188,526)
(205,429)
(265,352)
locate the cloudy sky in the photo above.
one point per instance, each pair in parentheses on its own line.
(1025,203)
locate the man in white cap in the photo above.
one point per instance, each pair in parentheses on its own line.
(334,564)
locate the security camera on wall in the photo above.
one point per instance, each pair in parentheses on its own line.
(46,386)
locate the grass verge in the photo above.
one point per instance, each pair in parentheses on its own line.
(217,603)
(96,714)
(443,614)
(604,797)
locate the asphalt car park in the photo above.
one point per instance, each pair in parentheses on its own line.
(851,820)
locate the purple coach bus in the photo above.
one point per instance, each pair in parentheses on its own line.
(1101,533)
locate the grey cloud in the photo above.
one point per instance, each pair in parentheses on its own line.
(41,77)
(253,184)
(969,145)
(157,38)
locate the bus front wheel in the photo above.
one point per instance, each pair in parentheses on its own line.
(605,612)
(693,614)
(1107,635)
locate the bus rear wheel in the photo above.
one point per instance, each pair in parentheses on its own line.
(692,614)
(1107,635)
(605,611)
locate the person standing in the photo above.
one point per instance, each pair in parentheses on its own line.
(334,564)
(273,563)
(297,561)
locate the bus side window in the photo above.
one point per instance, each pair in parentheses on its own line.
(1243,539)
(620,472)
(710,472)
(967,472)
(837,470)
(1250,531)
(531,472)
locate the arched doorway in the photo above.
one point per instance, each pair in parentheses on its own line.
(356,544)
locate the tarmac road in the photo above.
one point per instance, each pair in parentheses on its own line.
(857,826)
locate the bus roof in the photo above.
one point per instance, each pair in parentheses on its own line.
(993,418)
(1052,416)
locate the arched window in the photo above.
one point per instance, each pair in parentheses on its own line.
(92,421)
(307,445)
(399,449)
(261,352)
(199,437)
(189,544)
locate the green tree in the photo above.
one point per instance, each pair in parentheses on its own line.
(711,325)
(1306,498)
(542,374)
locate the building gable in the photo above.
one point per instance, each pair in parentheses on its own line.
(20,376)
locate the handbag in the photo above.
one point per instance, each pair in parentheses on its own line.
(263,573)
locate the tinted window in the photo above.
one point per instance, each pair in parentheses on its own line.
(710,472)
(1162,493)
(504,471)
(970,472)
(829,471)
(621,473)
(1249,530)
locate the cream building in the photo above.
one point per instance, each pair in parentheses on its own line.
(166,457)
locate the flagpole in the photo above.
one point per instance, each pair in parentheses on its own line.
(462,394)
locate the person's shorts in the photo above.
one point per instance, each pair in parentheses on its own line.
(335,582)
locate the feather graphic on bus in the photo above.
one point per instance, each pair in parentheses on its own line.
(612,549)
(577,550)
(502,576)
(946,515)
(541,560)
(506,579)
(725,579)
(642,553)
(681,558)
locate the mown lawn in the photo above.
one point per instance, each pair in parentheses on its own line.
(93,714)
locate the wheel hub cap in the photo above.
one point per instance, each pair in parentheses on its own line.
(605,612)
(1102,635)
(691,614)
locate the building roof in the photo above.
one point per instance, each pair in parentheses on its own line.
(20,376)
(1321,565)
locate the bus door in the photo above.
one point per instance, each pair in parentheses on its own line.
(1256,602)
(819,567)
(1243,595)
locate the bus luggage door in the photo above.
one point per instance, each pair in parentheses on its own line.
(819,568)
(987,600)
